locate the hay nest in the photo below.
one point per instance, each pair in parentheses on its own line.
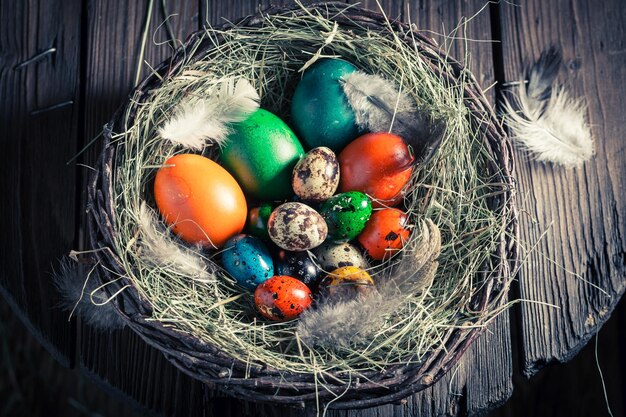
(203,323)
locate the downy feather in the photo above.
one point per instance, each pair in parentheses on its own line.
(198,120)
(347,322)
(344,322)
(415,271)
(80,295)
(544,120)
(380,107)
(160,249)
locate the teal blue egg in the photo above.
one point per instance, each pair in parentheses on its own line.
(320,111)
(248,260)
(346,214)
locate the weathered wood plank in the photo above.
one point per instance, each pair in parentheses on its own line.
(113,44)
(39,84)
(581,210)
(574,389)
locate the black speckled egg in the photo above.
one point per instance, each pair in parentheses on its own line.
(301,265)
(248,260)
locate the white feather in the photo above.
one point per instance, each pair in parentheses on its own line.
(235,101)
(380,107)
(160,249)
(188,128)
(545,121)
(198,120)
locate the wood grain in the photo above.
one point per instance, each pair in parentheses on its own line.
(554,200)
(574,217)
(574,389)
(38,120)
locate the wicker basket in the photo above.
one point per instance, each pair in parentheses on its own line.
(209,363)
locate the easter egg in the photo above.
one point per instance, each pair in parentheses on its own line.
(385,233)
(257,220)
(296,227)
(282,298)
(316,176)
(331,255)
(377,164)
(346,283)
(248,260)
(321,113)
(261,153)
(200,200)
(300,265)
(346,214)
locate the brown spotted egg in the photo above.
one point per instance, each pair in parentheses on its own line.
(296,227)
(316,176)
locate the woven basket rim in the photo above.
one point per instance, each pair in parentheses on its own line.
(208,363)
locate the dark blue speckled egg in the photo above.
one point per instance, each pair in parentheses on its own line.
(301,265)
(248,260)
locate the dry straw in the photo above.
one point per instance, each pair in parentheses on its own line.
(207,327)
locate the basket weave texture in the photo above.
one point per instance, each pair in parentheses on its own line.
(208,363)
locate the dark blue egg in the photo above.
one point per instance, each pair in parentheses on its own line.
(248,260)
(300,265)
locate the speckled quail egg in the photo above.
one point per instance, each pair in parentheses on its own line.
(296,227)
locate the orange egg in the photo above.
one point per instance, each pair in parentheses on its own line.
(385,233)
(282,298)
(200,200)
(377,164)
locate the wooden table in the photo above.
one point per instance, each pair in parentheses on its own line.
(66,65)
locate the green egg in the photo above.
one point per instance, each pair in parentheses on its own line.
(321,113)
(257,220)
(346,214)
(261,153)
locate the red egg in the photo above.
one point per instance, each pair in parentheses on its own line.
(282,298)
(377,164)
(200,199)
(385,233)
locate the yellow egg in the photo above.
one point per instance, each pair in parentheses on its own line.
(346,282)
